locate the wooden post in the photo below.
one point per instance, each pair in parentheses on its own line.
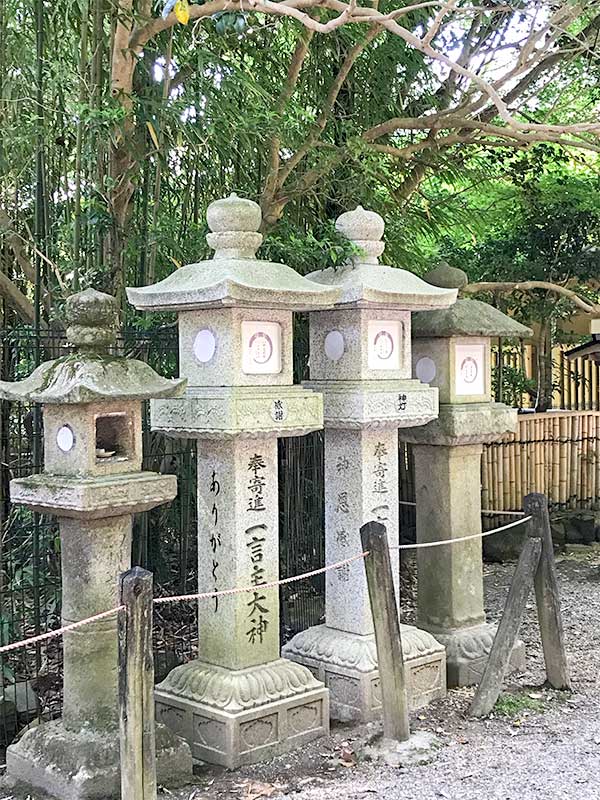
(387,632)
(546,592)
(136,687)
(491,683)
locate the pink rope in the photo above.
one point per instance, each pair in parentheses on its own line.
(240,590)
(59,631)
(271,585)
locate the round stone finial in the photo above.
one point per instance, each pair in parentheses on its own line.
(365,229)
(234,223)
(92,319)
(446,277)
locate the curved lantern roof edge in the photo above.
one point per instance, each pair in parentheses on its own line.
(81,378)
(468,317)
(233,276)
(374,285)
(239,284)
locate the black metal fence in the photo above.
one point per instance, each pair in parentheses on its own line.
(164,538)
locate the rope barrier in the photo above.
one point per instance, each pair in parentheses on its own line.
(59,631)
(489,511)
(253,588)
(421,545)
(240,590)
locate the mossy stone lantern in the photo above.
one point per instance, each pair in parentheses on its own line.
(360,359)
(452,351)
(240,702)
(93,482)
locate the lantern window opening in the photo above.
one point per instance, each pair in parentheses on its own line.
(114,437)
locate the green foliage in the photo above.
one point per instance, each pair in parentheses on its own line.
(309,250)
(513,705)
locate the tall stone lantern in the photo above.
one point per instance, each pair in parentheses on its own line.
(360,359)
(452,351)
(240,702)
(93,483)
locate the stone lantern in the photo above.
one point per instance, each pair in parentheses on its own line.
(452,351)
(360,359)
(93,483)
(240,702)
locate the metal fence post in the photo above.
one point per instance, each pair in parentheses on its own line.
(387,632)
(136,687)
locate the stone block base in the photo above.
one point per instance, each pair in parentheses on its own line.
(86,765)
(237,717)
(347,665)
(467,652)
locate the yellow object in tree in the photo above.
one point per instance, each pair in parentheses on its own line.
(182,11)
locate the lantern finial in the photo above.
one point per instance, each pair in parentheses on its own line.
(365,229)
(92,320)
(234,224)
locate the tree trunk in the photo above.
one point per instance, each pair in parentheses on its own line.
(544,367)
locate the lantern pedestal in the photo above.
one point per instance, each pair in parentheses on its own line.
(240,703)
(448,494)
(347,664)
(85,764)
(361,483)
(77,757)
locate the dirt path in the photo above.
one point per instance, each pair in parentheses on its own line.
(543,744)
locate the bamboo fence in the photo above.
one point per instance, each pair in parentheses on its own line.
(555,453)
(576,383)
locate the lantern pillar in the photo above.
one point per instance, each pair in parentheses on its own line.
(93,483)
(239,702)
(452,350)
(360,359)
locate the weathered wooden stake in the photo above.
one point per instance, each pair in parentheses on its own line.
(546,592)
(136,687)
(387,631)
(536,565)
(491,683)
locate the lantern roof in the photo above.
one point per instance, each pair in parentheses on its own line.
(466,317)
(90,374)
(365,282)
(234,276)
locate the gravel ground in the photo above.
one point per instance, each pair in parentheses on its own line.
(542,744)
(539,744)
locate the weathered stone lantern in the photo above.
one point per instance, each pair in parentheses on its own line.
(360,359)
(240,702)
(452,351)
(93,483)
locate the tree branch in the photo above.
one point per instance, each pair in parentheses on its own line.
(16,299)
(528,286)
(17,246)
(328,105)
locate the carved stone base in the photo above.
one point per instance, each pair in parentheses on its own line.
(467,652)
(85,765)
(236,717)
(347,665)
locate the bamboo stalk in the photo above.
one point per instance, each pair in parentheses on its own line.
(485,491)
(555,482)
(563,460)
(573,461)
(505,473)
